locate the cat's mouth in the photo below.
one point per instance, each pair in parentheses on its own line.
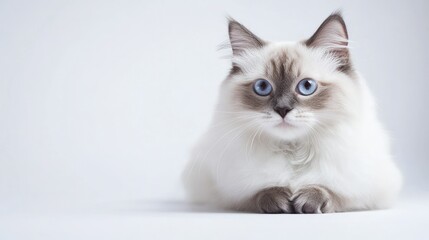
(284,124)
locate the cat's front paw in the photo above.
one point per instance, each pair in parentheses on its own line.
(314,199)
(273,200)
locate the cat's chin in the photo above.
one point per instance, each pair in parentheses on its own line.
(284,125)
(286,131)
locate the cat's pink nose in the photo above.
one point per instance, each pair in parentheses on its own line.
(282,111)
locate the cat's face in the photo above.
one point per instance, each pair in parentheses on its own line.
(289,90)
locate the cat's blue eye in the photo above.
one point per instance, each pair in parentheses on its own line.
(306,86)
(262,87)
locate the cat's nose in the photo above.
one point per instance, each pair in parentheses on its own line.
(282,111)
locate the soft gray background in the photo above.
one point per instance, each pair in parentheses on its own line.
(100,101)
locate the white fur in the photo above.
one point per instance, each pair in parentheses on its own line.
(342,147)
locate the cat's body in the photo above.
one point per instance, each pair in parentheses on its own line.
(273,148)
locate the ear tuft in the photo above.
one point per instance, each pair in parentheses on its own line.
(241,38)
(332,35)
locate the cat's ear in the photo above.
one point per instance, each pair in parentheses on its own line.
(241,38)
(332,35)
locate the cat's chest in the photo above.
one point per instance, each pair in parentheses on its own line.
(298,154)
(289,162)
(275,165)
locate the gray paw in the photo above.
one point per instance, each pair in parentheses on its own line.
(314,199)
(274,200)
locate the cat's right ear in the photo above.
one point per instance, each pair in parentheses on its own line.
(241,38)
(332,35)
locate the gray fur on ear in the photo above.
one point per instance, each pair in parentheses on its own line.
(332,35)
(242,38)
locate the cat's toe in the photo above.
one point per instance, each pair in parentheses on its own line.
(274,200)
(313,199)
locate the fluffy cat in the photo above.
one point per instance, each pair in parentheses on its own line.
(295,131)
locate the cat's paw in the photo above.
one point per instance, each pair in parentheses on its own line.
(274,200)
(314,199)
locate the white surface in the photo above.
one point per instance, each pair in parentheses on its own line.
(176,220)
(100,102)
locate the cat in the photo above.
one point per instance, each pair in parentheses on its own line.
(295,131)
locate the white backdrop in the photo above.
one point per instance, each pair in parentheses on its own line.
(102,100)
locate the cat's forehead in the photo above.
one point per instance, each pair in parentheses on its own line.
(282,66)
(277,62)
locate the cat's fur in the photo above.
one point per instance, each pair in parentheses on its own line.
(330,152)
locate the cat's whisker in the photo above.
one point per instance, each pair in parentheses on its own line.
(253,139)
(233,121)
(218,140)
(243,130)
(251,144)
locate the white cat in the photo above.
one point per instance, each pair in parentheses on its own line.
(295,131)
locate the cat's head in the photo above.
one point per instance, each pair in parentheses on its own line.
(290,90)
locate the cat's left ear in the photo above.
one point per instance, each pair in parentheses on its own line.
(332,36)
(241,38)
